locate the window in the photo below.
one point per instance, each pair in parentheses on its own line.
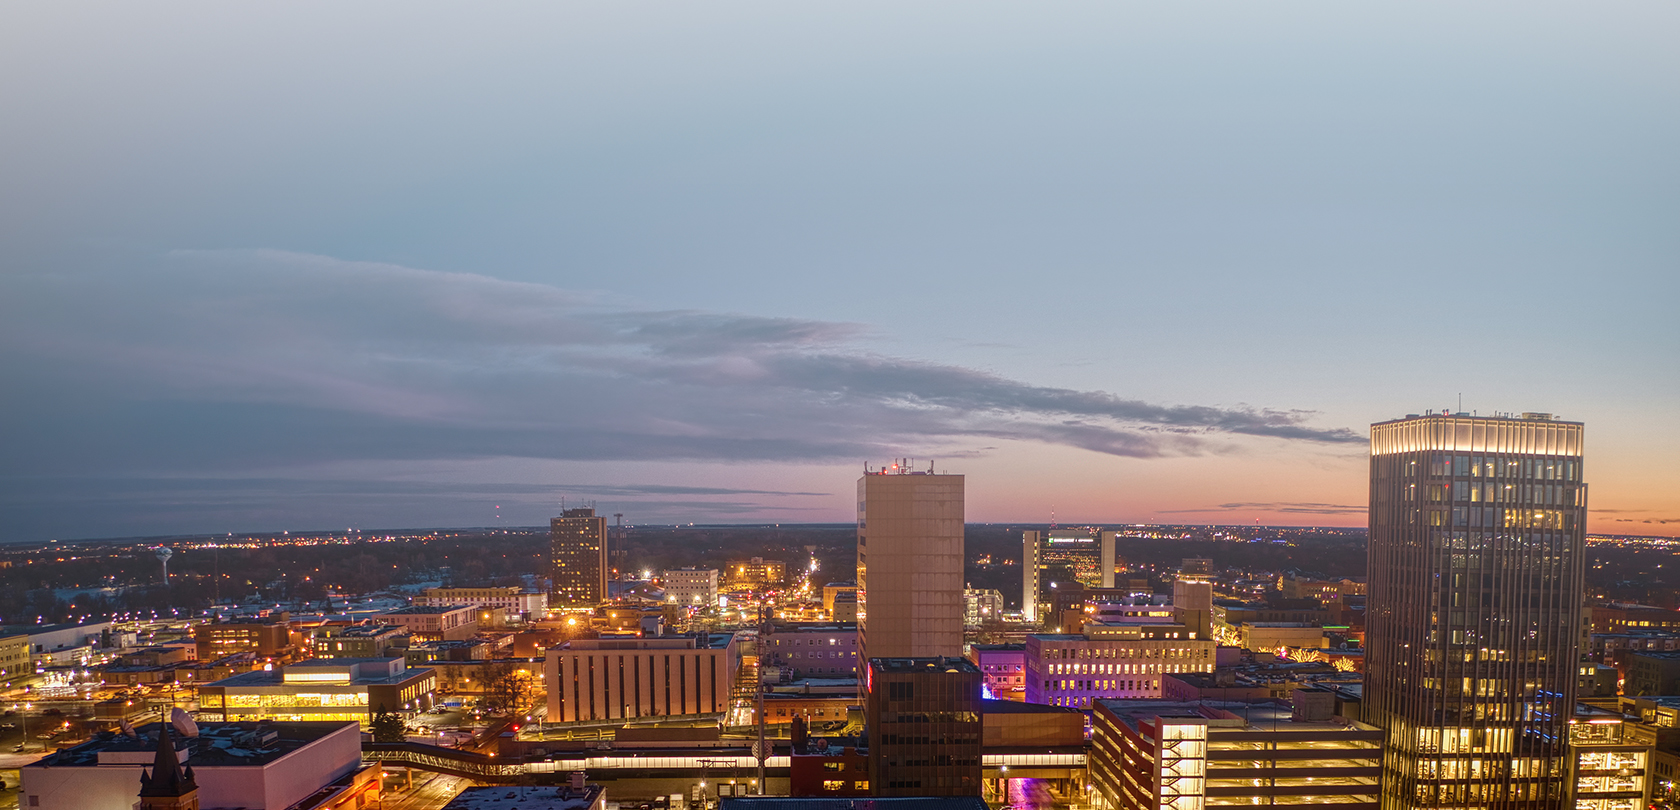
(833,784)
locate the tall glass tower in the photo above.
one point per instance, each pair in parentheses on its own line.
(1477,527)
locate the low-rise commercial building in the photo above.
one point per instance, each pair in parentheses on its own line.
(1270,636)
(69,644)
(812,651)
(1008,724)
(1154,754)
(820,712)
(1111,661)
(1597,681)
(844,607)
(692,587)
(834,589)
(625,678)
(514,602)
(267,639)
(981,606)
(1622,617)
(1653,673)
(15,663)
(1004,667)
(434,622)
(1617,649)
(828,768)
(756,572)
(576,796)
(320,689)
(360,641)
(1610,759)
(274,766)
(425,653)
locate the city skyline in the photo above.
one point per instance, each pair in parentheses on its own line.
(432,267)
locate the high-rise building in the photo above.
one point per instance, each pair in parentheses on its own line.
(925,727)
(1059,558)
(910,564)
(578,549)
(1477,527)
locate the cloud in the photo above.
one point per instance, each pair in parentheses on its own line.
(279,357)
(1283,507)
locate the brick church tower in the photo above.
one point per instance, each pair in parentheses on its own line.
(168,786)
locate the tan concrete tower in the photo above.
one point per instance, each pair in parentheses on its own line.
(910,564)
(578,553)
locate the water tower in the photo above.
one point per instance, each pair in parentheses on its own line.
(163,554)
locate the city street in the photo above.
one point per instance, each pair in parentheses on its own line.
(431,791)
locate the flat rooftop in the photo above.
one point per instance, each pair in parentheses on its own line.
(426,610)
(924,665)
(217,744)
(341,662)
(277,678)
(528,797)
(989,706)
(916,803)
(1232,714)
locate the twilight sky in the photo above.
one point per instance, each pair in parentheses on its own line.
(318,265)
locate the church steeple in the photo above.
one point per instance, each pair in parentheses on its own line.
(168,786)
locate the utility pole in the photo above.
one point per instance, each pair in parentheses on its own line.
(759,750)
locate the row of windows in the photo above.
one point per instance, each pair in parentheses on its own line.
(1122,669)
(1546,469)
(1110,653)
(1100,685)
(1494,492)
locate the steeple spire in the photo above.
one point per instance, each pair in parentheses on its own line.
(168,786)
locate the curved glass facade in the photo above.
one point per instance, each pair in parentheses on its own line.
(1477,531)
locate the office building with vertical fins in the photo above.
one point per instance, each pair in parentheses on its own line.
(910,563)
(577,543)
(1477,527)
(1064,556)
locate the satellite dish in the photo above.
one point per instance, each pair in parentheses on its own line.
(822,744)
(183,722)
(127,728)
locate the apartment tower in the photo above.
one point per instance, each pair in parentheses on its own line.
(578,550)
(1476,565)
(910,564)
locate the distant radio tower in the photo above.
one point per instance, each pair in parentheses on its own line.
(163,554)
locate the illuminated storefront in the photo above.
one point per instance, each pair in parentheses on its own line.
(321,689)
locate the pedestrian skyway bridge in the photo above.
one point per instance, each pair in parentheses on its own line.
(666,762)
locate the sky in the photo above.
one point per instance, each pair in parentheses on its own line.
(313,266)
